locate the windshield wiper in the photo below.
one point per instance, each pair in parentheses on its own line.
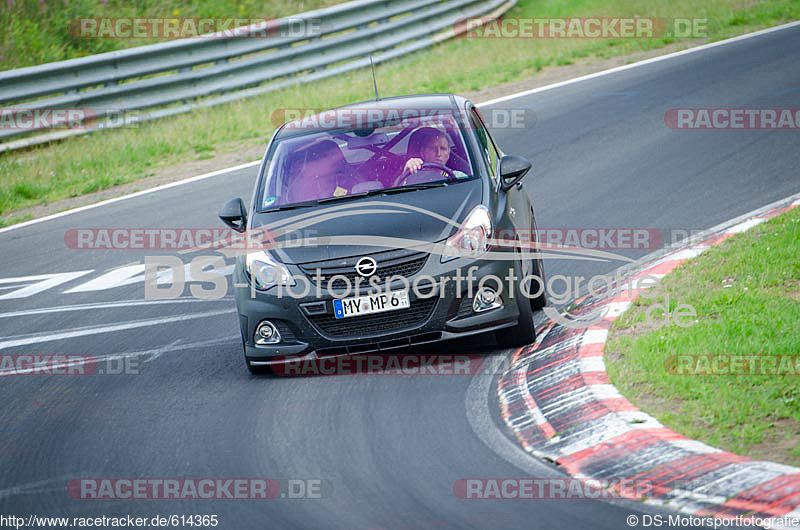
(382,191)
(304,204)
(351,196)
(415,187)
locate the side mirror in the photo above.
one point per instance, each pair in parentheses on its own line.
(512,169)
(234,214)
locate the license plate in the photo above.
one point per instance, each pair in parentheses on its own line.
(374,303)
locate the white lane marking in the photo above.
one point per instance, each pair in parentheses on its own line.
(591,364)
(652,60)
(126,275)
(483,104)
(694,446)
(135,274)
(521,379)
(106,305)
(615,309)
(132,195)
(41,283)
(571,368)
(49,336)
(114,278)
(595,336)
(152,354)
(574,398)
(39,486)
(745,226)
(687,253)
(610,426)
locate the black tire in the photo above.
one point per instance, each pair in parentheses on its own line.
(524,332)
(538,270)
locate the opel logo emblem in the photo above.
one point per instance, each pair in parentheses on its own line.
(366,266)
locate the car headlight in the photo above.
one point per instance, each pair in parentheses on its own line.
(473,238)
(264,272)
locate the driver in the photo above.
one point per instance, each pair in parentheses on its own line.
(427,145)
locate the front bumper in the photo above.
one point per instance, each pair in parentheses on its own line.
(447,315)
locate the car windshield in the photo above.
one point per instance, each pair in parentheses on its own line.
(332,164)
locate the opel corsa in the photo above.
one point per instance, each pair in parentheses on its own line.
(380,227)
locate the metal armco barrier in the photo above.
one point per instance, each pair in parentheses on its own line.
(151,82)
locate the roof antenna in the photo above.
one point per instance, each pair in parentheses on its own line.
(374,82)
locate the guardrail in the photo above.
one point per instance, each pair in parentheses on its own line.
(178,76)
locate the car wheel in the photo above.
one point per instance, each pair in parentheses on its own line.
(538,270)
(540,301)
(524,332)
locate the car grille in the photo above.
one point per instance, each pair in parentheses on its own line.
(402,263)
(465,307)
(286,333)
(418,311)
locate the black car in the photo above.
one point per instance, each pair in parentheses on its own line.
(385,224)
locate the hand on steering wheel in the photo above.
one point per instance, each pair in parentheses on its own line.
(405,174)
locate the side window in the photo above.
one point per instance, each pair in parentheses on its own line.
(488,150)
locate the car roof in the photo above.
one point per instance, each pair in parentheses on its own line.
(398,103)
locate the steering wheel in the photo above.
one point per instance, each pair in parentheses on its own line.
(433,165)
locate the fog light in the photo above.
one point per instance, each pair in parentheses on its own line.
(267,333)
(485,300)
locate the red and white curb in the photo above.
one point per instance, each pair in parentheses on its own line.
(557,399)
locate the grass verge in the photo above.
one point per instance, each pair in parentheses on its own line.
(82,165)
(746,293)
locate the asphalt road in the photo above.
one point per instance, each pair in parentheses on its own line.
(390,448)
